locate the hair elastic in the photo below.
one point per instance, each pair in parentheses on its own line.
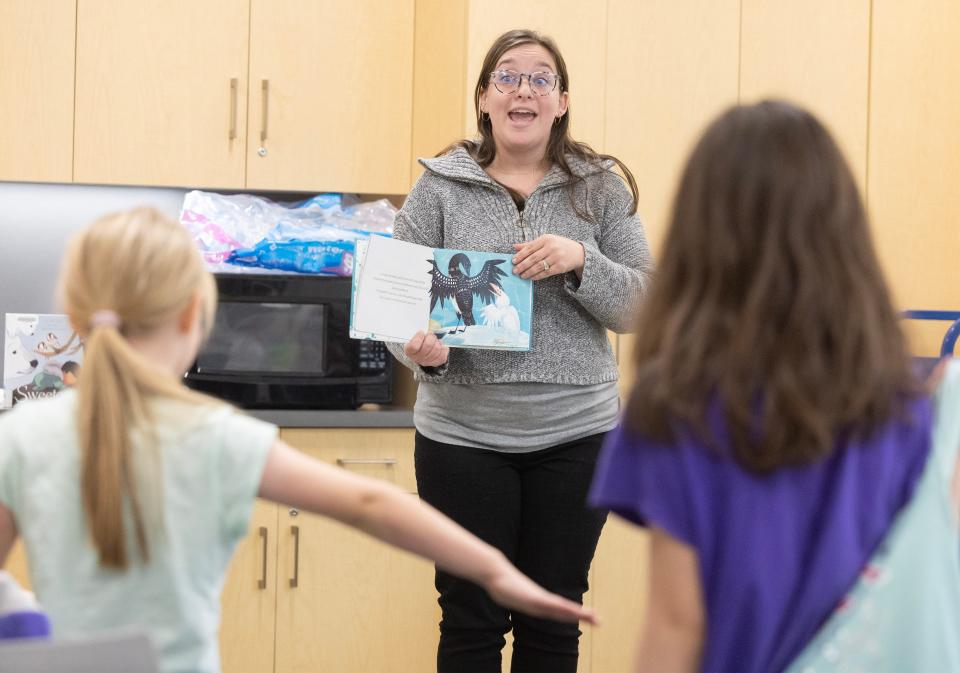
(104,318)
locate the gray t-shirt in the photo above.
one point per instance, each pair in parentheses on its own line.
(514,417)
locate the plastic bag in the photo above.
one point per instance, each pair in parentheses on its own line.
(318,235)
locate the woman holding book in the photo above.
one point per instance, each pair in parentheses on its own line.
(507,441)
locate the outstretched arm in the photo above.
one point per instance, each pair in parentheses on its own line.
(8,533)
(672,640)
(386,512)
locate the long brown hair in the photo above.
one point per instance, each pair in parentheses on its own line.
(143,267)
(561,144)
(769,300)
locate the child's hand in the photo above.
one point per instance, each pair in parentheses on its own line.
(514,590)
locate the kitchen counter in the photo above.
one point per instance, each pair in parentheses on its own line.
(382,417)
(374,417)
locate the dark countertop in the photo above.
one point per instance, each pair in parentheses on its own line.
(374,417)
(383,417)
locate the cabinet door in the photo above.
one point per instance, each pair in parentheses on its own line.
(16,565)
(619,580)
(161,92)
(331,86)
(357,604)
(914,158)
(814,52)
(36,89)
(249,598)
(659,97)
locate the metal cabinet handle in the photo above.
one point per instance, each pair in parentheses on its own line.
(366,461)
(233,109)
(262,583)
(296,556)
(265,90)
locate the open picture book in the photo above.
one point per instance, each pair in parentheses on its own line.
(467,299)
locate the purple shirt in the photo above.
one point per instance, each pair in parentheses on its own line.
(776,552)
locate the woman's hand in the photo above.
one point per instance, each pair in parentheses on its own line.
(547,256)
(426,350)
(512,589)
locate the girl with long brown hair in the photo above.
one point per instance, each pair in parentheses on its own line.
(775,429)
(131,492)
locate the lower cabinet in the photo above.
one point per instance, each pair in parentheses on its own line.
(305,593)
(249,598)
(619,590)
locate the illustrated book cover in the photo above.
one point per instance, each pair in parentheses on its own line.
(467,299)
(41,355)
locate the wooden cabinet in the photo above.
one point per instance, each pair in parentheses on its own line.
(161,92)
(360,605)
(249,598)
(825,65)
(331,95)
(36,90)
(164,98)
(619,589)
(336,599)
(357,604)
(16,565)
(914,156)
(659,96)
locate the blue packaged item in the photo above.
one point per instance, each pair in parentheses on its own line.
(322,201)
(330,257)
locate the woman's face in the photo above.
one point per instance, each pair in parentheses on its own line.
(522,120)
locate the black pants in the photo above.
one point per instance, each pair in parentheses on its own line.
(531,506)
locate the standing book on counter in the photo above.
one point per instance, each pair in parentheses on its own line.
(468,299)
(41,355)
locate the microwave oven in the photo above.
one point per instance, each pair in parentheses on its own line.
(283,342)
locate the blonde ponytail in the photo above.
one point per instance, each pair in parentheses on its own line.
(125,275)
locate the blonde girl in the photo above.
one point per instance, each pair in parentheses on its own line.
(131,492)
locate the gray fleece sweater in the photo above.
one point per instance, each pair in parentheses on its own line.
(455,204)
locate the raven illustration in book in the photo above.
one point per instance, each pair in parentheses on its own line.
(460,287)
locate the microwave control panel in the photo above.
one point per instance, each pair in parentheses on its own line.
(372,357)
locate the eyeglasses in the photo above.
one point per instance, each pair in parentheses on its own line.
(509,81)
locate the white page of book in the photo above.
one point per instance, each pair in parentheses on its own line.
(393,291)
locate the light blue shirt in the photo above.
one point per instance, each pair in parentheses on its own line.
(903,613)
(201,479)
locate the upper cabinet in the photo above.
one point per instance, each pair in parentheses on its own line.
(659,94)
(331,95)
(914,155)
(164,98)
(36,90)
(161,92)
(817,53)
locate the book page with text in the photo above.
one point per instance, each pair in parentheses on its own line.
(392,299)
